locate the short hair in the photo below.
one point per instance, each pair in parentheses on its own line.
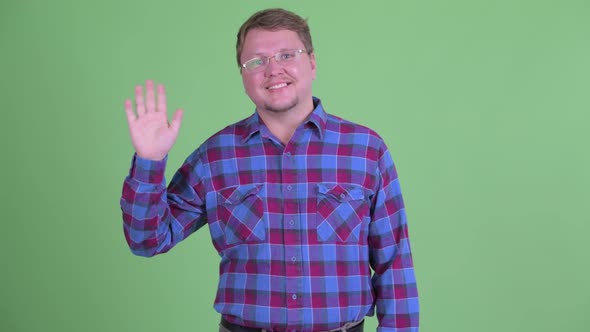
(274,19)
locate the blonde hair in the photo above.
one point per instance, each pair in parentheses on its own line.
(274,19)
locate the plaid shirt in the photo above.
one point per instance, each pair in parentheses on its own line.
(311,234)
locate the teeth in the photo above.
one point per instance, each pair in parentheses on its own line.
(277,86)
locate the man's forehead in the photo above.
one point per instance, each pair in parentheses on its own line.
(260,40)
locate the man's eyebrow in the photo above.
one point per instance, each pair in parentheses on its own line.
(257,54)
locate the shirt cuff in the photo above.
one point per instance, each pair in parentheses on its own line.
(148,171)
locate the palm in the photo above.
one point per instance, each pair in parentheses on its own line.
(152,135)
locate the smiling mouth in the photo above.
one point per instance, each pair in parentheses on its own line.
(277,86)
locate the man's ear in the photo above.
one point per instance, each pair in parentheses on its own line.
(313,65)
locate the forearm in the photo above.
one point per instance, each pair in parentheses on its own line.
(144,207)
(155,218)
(146,218)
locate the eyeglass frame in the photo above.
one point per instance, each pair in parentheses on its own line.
(266,59)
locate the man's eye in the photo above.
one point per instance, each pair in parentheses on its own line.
(286,56)
(255,63)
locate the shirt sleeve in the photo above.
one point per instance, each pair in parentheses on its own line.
(156,218)
(393,279)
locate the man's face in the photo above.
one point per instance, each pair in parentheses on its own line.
(278,87)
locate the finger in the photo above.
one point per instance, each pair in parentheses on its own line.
(129,111)
(176,120)
(161,99)
(150,101)
(139,100)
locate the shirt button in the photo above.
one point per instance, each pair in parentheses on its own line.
(294,296)
(291,222)
(293,259)
(342,196)
(289,187)
(288,154)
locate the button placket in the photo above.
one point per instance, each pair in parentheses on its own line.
(291,179)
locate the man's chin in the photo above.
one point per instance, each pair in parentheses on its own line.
(281,107)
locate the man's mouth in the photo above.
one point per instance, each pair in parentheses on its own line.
(277,86)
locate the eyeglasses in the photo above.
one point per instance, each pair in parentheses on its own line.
(282,58)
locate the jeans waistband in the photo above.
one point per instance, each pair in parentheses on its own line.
(348,327)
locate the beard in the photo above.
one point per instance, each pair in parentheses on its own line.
(282,108)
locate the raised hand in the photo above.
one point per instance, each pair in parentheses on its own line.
(152,135)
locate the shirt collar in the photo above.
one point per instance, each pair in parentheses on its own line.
(316,120)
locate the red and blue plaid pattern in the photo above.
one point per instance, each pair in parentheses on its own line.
(311,234)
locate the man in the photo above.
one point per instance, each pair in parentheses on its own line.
(301,205)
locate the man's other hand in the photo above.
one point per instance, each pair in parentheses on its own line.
(152,135)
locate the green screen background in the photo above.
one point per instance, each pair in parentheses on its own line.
(484,105)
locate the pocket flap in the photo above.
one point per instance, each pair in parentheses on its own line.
(235,195)
(342,193)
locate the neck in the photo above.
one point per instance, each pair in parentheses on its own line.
(284,124)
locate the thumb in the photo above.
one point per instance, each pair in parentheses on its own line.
(176,120)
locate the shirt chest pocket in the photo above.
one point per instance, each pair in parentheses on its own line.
(240,213)
(340,212)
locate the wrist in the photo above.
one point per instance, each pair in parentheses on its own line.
(148,170)
(151,157)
